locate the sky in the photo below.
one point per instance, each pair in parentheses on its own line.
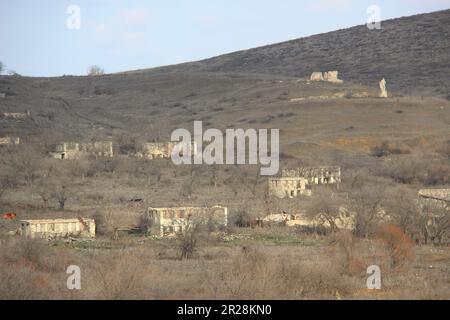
(42,38)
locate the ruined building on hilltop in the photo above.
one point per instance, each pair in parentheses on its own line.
(169,221)
(330,76)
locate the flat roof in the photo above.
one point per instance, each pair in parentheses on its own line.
(59,220)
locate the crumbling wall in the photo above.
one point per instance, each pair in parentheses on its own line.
(58,228)
(98,148)
(155,150)
(437,198)
(73,150)
(9,140)
(167,221)
(163,150)
(15,115)
(330,76)
(343,222)
(316,76)
(315,175)
(288,187)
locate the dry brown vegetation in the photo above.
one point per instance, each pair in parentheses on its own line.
(247,269)
(388,149)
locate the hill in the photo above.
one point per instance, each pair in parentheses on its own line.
(412,53)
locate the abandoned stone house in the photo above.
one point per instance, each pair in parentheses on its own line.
(9,141)
(315,175)
(58,228)
(162,150)
(72,150)
(288,187)
(344,221)
(15,115)
(438,198)
(330,76)
(169,221)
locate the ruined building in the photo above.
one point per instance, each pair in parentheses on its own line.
(58,228)
(5,141)
(15,115)
(169,221)
(315,175)
(344,221)
(383,90)
(288,187)
(162,150)
(316,76)
(330,76)
(439,198)
(72,150)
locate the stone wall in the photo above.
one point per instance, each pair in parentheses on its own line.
(330,76)
(316,76)
(344,221)
(15,115)
(58,228)
(162,150)
(9,140)
(435,198)
(288,187)
(169,221)
(315,175)
(73,150)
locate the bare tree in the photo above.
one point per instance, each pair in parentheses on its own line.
(365,203)
(4,185)
(2,67)
(435,221)
(61,193)
(95,71)
(214,175)
(188,241)
(187,187)
(27,163)
(326,207)
(402,207)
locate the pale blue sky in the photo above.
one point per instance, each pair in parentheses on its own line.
(121,35)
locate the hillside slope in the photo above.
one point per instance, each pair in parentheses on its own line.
(412,53)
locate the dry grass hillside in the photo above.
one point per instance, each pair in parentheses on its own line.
(388,149)
(412,53)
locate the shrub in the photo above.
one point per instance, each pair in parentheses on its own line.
(386,149)
(187,241)
(352,263)
(242,219)
(399,247)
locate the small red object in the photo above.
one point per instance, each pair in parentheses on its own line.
(9,216)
